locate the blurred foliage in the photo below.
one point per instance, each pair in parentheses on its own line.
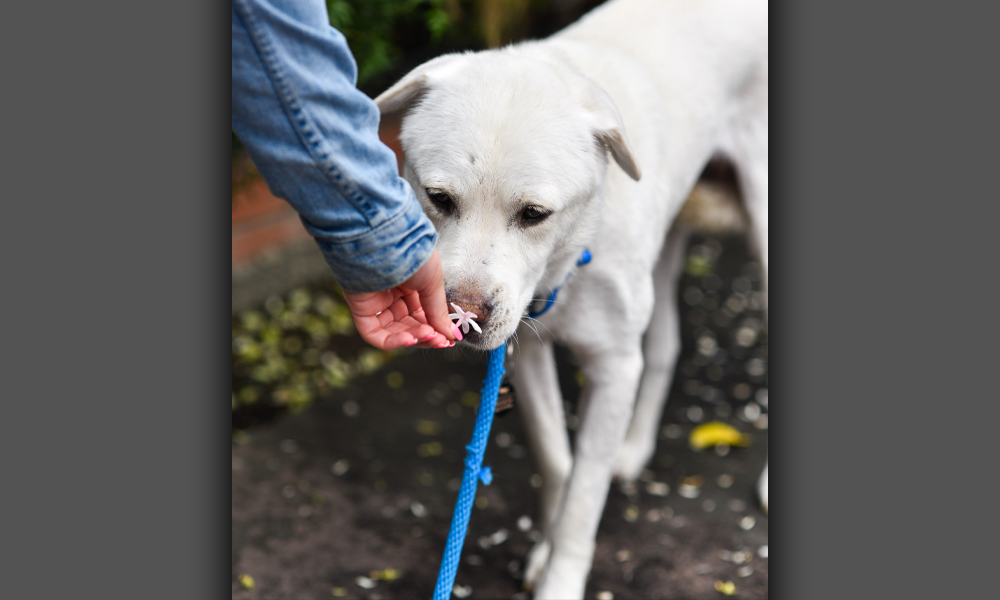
(373,27)
(504,21)
(379,32)
(294,349)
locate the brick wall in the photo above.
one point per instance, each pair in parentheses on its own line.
(262,221)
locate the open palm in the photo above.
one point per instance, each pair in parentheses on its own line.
(413,312)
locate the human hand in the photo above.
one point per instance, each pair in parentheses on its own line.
(413,312)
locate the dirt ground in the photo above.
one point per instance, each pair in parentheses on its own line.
(353,497)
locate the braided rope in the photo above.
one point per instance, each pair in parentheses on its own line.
(585,257)
(473,471)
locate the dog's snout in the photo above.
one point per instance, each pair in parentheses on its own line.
(479,307)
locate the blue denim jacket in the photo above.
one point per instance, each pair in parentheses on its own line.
(314,138)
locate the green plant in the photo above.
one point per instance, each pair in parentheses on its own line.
(371,27)
(295,348)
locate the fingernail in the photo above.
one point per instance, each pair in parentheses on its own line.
(428,338)
(458,332)
(411,342)
(443,345)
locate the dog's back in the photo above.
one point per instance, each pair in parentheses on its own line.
(676,70)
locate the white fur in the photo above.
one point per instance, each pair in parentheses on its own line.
(656,86)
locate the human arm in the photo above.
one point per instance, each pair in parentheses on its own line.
(314,138)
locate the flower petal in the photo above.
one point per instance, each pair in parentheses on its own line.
(475,326)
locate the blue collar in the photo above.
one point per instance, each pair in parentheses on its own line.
(585,258)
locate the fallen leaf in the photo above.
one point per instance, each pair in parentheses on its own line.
(716,432)
(726,588)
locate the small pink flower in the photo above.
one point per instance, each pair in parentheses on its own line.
(464,319)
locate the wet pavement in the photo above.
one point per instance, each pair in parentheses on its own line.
(353,496)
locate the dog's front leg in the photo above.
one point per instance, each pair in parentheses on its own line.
(661,346)
(612,380)
(540,403)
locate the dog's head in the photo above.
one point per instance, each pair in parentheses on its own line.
(507,155)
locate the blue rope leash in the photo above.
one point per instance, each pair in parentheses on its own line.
(473,471)
(585,257)
(474,456)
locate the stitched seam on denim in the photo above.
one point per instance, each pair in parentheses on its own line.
(407,261)
(374,232)
(305,130)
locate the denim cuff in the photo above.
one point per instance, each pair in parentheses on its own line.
(383,257)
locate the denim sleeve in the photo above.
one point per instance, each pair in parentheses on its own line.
(314,138)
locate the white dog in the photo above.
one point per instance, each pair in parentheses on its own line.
(508,152)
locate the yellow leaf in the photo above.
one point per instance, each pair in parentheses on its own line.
(394,380)
(426,427)
(726,588)
(715,432)
(470,398)
(246,581)
(384,575)
(429,449)
(698,266)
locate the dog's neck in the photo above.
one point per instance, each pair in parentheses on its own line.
(549,302)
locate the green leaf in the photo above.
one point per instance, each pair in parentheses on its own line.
(438,23)
(341,13)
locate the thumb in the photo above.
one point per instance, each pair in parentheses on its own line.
(428,282)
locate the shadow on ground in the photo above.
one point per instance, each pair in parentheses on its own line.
(353,497)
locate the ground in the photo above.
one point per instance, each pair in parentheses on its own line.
(325,501)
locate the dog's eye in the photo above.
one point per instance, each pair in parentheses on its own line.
(533,215)
(442,201)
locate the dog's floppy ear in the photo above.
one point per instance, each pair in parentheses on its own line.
(408,90)
(614,141)
(609,129)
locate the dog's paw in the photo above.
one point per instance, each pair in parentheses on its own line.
(632,459)
(762,489)
(535,564)
(564,579)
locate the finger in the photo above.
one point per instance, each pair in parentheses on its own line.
(390,337)
(368,304)
(395,312)
(424,333)
(436,340)
(419,331)
(371,317)
(377,337)
(399,340)
(397,334)
(368,327)
(385,318)
(413,306)
(430,287)
(399,310)
(418,325)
